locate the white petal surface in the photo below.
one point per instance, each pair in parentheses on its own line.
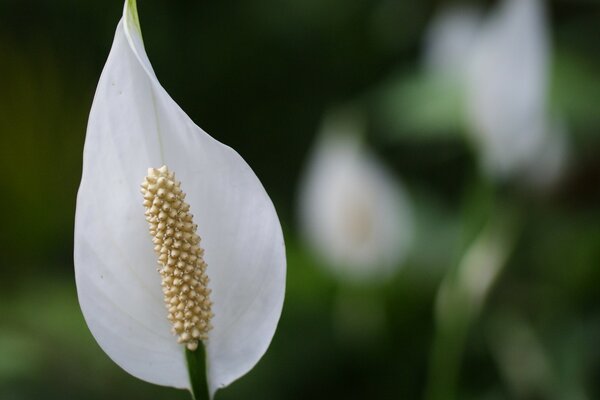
(551,161)
(353,213)
(507,77)
(134,125)
(450,38)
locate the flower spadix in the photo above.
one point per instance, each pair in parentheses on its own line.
(205,222)
(182,266)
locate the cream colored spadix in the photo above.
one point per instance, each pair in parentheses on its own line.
(182,266)
(133,125)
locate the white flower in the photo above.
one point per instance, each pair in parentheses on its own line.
(499,66)
(135,125)
(507,79)
(449,40)
(352,212)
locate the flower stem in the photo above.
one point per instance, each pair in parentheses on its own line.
(131,6)
(196,363)
(461,298)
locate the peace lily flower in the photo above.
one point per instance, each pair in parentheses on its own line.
(353,213)
(203,219)
(499,66)
(507,77)
(449,40)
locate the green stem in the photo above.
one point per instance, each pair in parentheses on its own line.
(133,14)
(461,298)
(196,363)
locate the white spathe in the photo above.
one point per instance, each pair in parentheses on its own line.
(507,79)
(449,40)
(353,213)
(501,66)
(133,125)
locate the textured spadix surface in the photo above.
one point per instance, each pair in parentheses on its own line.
(134,125)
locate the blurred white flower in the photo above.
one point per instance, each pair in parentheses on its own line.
(353,213)
(449,40)
(134,125)
(507,85)
(502,64)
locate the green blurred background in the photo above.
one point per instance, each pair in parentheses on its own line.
(259,76)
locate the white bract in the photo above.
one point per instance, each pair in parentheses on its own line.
(135,125)
(502,64)
(449,40)
(352,211)
(507,81)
